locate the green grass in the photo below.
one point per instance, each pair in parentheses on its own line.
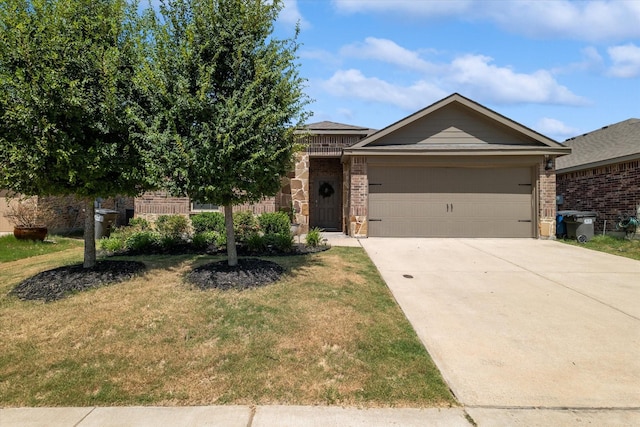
(12,249)
(328,333)
(611,245)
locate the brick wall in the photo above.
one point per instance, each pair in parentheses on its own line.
(359,192)
(608,190)
(546,201)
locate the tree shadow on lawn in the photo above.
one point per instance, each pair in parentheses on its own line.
(206,272)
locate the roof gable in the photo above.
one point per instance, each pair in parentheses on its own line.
(456,123)
(610,144)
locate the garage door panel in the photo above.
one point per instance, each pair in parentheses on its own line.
(450,202)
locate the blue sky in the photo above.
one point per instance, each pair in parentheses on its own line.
(560,67)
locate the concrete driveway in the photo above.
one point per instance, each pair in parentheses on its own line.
(521,323)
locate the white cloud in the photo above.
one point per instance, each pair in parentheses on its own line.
(591,61)
(473,75)
(584,20)
(290,14)
(387,51)
(353,84)
(626,60)
(478,77)
(555,128)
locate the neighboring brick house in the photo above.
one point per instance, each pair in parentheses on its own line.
(602,174)
(69,211)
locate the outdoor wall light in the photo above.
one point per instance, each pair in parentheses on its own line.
(549,163)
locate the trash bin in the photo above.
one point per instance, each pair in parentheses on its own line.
(579,224)
(561,226)
(104,220)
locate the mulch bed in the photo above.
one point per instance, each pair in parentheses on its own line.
(249,273)
(56,284)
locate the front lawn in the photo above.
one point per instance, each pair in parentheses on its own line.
(611,245)
(328,333)
(12,249)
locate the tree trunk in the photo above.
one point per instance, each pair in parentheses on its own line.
(89,235)
(232,253)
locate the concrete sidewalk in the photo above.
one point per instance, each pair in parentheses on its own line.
(310,416)
(230,416)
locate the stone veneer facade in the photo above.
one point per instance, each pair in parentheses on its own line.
(300,191)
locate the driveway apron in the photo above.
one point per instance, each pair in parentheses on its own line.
(521,322)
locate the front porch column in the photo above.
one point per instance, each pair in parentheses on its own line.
(546,202)
(358,197)
(300,191)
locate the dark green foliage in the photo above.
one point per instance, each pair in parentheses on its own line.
(173,227)
(227,99)
(282,241)
(141,241)
(256,243)
(71,113)
(274,223)
(245,225)
(69,105)
(206,239)
(208,221)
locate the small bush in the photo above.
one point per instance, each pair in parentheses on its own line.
(115,242)
(139,224)
(283,241)
(222,240)
(208,221)
(313,237)
(245,225)
(256,243)
(274,223)
(173,228)
(206,239)
(142,240)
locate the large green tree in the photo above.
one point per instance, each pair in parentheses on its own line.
(69,108)
(228,97)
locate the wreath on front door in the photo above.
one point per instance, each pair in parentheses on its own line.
(326,190)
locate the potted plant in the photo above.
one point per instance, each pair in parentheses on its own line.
(29,220)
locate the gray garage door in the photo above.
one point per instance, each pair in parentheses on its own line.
(450,202)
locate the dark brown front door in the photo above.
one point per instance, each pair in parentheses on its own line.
(325,203)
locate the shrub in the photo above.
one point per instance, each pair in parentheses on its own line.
(313,237)
(142,240)
(139,224)
(208,221)
(116,241)
(205,239)
(283,241)
(256,243)
(172,228)
(274,223)
(245,225)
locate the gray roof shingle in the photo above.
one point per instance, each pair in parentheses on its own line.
(326,125)
(606,145)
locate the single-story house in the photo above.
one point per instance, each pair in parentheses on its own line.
(452,169)
(602,173)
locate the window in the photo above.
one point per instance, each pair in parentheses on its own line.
(199,207)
